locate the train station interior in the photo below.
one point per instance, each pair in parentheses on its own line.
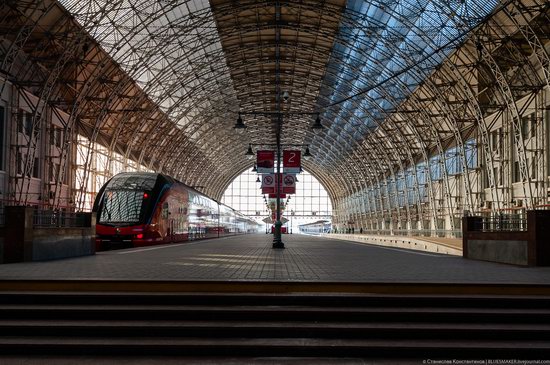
(274,182)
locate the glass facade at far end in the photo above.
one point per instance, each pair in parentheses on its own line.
(310,203)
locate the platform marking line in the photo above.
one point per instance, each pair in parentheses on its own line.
(165,246)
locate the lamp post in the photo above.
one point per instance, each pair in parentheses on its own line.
(240,126)
(291,215)
(277,240)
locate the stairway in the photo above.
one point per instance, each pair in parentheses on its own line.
(290,325)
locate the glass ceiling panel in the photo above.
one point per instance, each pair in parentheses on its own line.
(162,45)
(394,43)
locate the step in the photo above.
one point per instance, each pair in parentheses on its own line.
(272,347)
(249,329)
(241,299)
(257,308)
(272,324)
(177,312)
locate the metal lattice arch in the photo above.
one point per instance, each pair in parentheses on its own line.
(430,108)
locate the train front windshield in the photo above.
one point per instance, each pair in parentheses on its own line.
(125,199)
(122,206)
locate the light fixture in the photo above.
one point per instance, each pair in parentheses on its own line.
(240,127)
(258,179)
(255,168)
(307,155)
(286,96)
(249,153)
(317,126)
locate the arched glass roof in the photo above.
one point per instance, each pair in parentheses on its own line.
(162,82)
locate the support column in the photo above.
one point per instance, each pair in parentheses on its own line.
(18,234)
(539,237)
(277,241)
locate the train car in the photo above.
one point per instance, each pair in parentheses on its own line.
(142,209)
(315,228)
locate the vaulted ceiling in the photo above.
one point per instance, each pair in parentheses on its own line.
(163,82)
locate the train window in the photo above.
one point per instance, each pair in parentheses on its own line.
(165,211)
(121,206)
(133,182)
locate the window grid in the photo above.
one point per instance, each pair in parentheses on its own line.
(311,201)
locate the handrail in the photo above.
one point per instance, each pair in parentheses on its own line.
(61,219)
(441,233)
(501,223)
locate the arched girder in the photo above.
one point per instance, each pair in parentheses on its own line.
(181,133)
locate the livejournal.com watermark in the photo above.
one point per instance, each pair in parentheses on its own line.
(485,362)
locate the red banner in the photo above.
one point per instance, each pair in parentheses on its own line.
(292,161)
(265,162)
(268,184)
(289,184)
(274,196)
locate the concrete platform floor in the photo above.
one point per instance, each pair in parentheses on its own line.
(251,258)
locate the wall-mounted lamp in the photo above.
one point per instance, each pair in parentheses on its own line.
(317,126)
(258,179)
(249,153)
(307,154)
(240,127)
(255,168)
(286,96)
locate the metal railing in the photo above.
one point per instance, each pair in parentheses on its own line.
(503,223)
(60,219)
(442,233)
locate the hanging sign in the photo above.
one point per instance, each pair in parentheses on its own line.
(268,184)
(274,196)
(292,161)
(265,162)
(289,184)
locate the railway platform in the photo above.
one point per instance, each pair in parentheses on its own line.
(250,258)
(237,300)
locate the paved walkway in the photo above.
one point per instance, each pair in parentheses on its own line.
(251,258)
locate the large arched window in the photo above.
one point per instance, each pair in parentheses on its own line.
(310,203)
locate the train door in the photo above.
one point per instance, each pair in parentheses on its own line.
(167,222)
(171,222)
(172,226)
